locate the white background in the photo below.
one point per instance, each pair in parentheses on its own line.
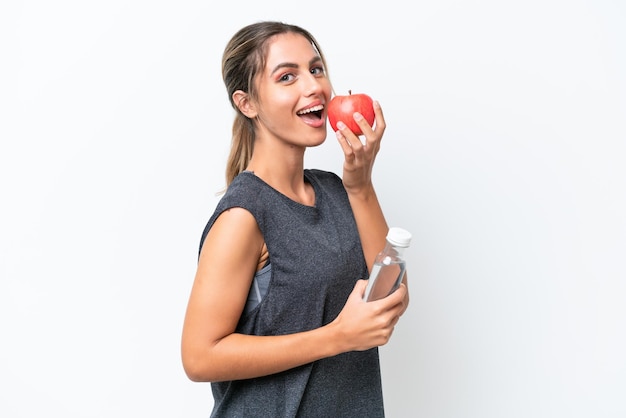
(504,156)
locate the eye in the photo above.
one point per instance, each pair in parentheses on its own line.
(287,77)
(317,70)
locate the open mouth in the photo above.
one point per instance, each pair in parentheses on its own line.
(312,112)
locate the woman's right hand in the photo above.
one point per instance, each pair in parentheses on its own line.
(363,325)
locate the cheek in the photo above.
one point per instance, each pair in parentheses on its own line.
(274,106)
(328,89)
(283,100)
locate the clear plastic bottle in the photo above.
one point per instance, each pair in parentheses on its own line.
(389,266)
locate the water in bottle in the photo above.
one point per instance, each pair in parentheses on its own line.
(389,266)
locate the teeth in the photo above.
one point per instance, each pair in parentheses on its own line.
(311,109)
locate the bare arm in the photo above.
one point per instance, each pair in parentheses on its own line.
(357,179)
(212,351)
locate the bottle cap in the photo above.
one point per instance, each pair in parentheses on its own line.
(399,237)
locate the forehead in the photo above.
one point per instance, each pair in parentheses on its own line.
(289,48)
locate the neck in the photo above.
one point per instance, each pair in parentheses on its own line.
(284,172)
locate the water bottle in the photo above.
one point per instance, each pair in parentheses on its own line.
(389,266)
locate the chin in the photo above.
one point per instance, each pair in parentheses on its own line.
(317,139)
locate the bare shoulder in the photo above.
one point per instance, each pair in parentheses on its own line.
(235,236)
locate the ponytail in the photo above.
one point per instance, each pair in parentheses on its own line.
(241,148)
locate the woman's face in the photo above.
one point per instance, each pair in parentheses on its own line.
(292,92)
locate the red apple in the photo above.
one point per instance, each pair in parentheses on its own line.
(341,108)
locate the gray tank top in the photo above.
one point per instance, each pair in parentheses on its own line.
(315,257)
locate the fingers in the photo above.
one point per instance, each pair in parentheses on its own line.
(400,295)
(372,133)
(379,118)
(367,324)
(394,304)
(359,288)
(394,321)
(342,134)
(375,132)
(350,143)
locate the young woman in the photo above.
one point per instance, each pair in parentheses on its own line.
(275,318)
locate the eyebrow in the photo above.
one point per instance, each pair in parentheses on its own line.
(312,61)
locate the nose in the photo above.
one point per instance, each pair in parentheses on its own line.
(312,85)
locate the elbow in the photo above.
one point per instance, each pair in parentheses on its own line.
(190,368)
(195,377)
(195,372)
(200,361)
(192,372)
(196,367)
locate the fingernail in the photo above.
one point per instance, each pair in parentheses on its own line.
(341,125)
(357,116)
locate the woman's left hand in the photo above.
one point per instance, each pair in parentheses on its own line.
(360,155)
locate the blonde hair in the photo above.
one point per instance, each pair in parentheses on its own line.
(243,59)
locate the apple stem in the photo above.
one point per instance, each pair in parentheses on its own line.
(349,92)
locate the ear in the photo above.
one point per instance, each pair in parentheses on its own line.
(244,104)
